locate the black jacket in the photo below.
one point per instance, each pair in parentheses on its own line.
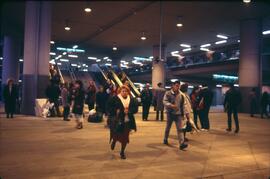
(232,98)
(10,97)
(53,92)
(146,96)
(78,102)
(115,103)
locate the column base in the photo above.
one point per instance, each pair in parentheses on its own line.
(245,105)
(33,88)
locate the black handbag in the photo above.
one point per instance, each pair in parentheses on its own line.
(188,127)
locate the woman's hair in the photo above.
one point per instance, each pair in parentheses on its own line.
(184,87)
(123,87)
(80,83)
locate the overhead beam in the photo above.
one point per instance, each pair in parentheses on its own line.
(115,21)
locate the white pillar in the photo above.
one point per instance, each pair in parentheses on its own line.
(158,66)
(36,52)
(250,61)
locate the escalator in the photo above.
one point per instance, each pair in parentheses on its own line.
(123,77)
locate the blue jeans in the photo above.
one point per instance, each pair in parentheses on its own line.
(178,123)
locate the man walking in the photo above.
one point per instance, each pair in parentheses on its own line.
(205,99)
(175,107)
(231,103)
(146,97)
(158,98)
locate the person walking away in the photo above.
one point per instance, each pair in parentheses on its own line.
(65,101)
(146,97)
(175,107)
(91,95)
(253,102)
(231,102)
(194,97)
(264,104)
(121,110)
(187,122)
(10,95)
(158,98)
(78,103)
(205,99)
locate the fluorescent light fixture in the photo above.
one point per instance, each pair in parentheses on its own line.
(222,36)
(238,41)
(174,52)
(179,24)
(105,58)
(109,60)
(246,1)
(64,53)
(266,32)
(205,45)
(69,49)
(64,60)
(219,86)
(200,86)
(185,45)
(190,86)
(85,70)
(186,50)
(74,65)
(142,59)
(236,85)
(143,38)
(1,58)
(73,56)
(204,49)
(173,80)
(167,87)
(52,53)
(75,46)
(87,9)
(221,42)
(20,81)
(21,60)
(67,28)
(217,76)
(151,57)
(59,63)
(98,60)
(52,62)
(52,42)
(108,64)
(92,58)
(114,48)
(123,66)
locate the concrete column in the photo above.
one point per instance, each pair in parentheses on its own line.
(36,53)
(158,66)
(11,53)
(250,62)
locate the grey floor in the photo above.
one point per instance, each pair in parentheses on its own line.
(32,147)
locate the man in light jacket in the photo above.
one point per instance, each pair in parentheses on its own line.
(176,108)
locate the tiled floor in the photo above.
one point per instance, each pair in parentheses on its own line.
(32,147)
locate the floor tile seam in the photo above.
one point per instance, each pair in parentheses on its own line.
(238,172)
(208,153)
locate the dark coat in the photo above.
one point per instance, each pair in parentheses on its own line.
(207,95)
(10,98)
(90,96)
(232,98)
(78,102)
(115,103)
(146,96)
(101,100)
(53,92)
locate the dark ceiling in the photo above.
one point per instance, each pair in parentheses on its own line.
(122,22)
